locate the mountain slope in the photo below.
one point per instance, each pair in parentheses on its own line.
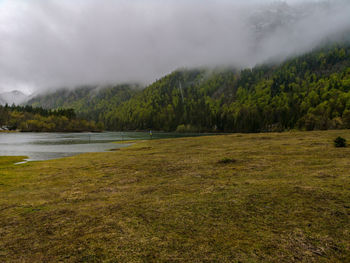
(308,92)
(87,102)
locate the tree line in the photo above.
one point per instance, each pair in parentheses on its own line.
(37,119)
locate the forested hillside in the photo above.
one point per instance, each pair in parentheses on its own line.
(88,101)
(29,119)
(308,92)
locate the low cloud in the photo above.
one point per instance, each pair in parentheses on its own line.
(46,44)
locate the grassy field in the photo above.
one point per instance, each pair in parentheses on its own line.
(279,197)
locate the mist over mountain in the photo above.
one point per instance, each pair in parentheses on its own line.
(13,97)
(310,92)
(46,44)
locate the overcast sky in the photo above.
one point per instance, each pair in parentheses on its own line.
(45,44)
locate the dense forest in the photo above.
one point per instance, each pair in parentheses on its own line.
(309,92)
(37,119)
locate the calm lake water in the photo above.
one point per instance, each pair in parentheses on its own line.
(45,146)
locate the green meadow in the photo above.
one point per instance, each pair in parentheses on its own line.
(270,197)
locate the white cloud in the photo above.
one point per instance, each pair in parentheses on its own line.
(51,43)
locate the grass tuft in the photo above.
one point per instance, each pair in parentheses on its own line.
(227,161)
(340,142)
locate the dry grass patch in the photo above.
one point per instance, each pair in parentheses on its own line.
(279,197)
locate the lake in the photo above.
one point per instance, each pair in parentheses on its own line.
(45,146)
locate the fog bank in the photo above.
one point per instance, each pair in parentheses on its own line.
(52,43)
